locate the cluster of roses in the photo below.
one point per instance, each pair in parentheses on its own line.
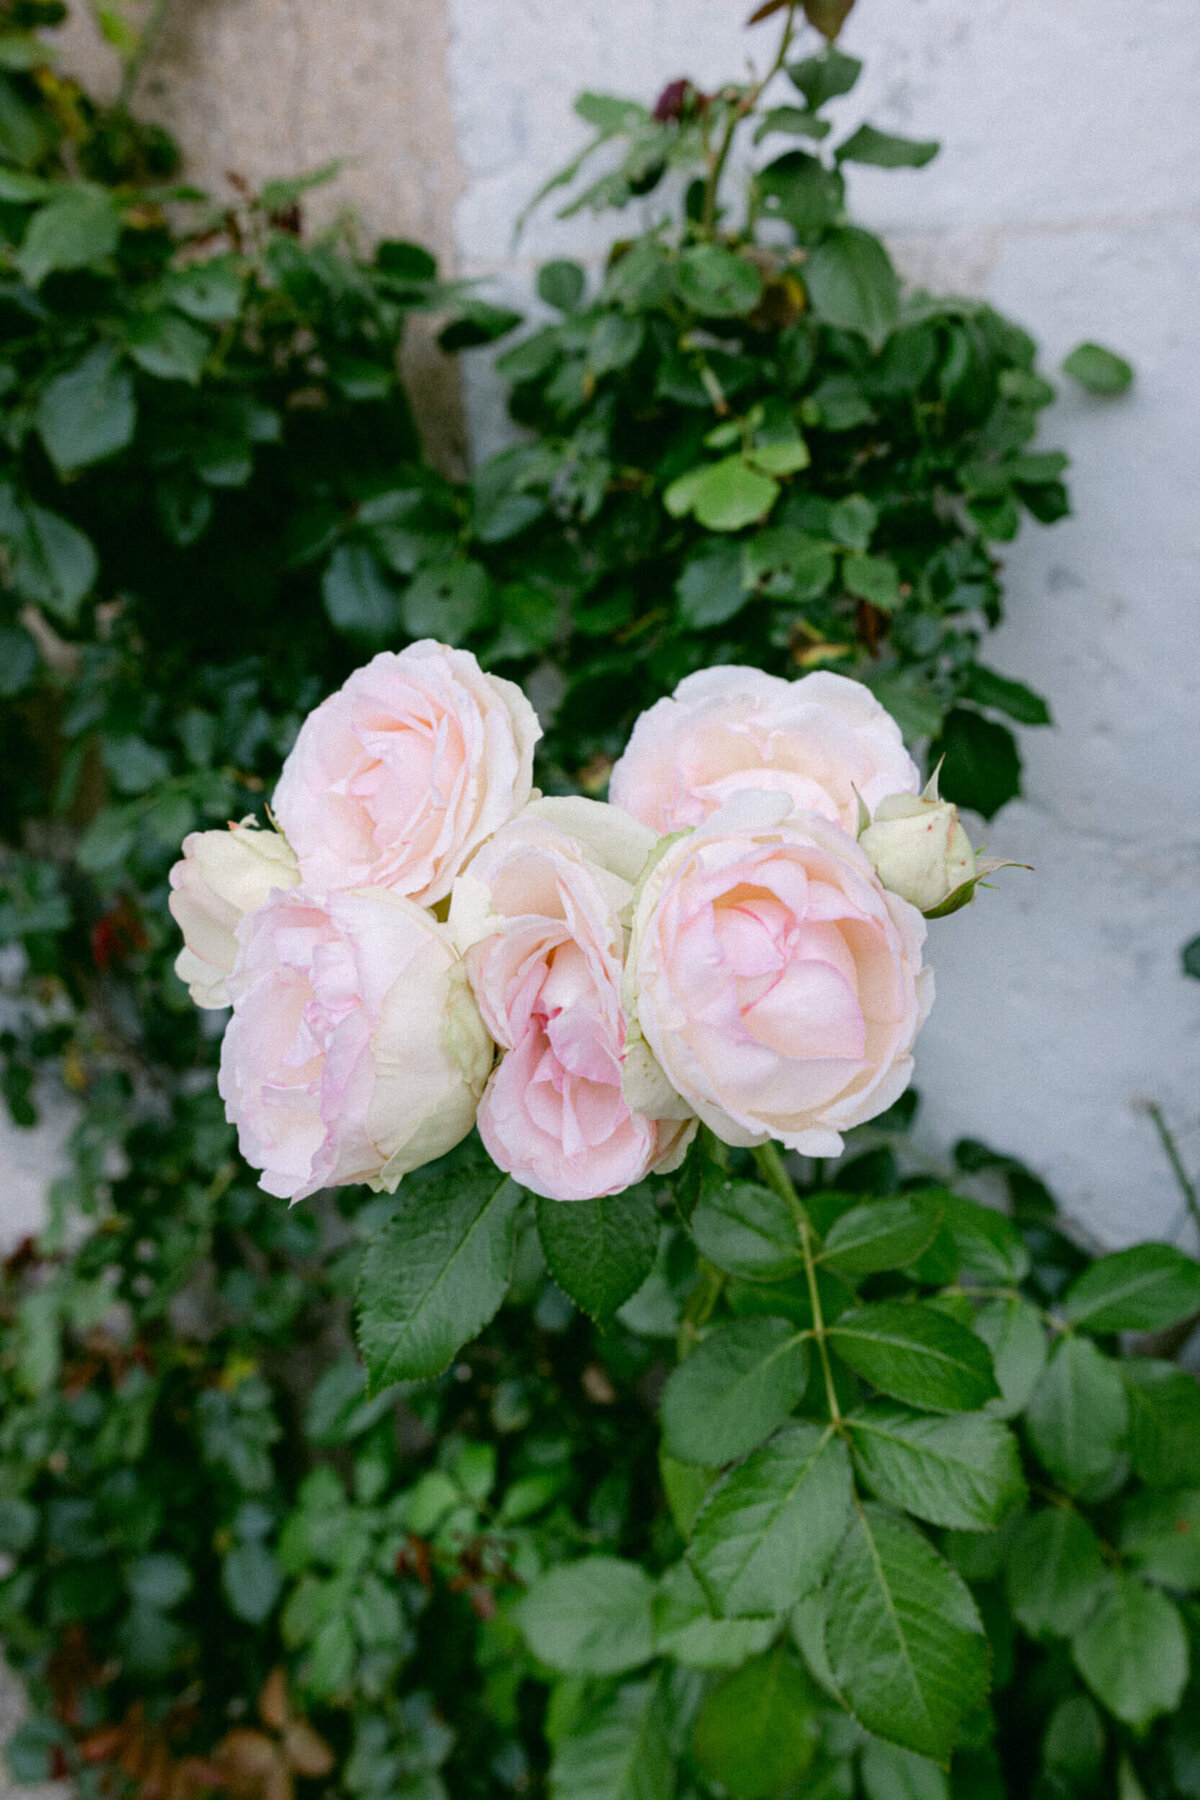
(720,943)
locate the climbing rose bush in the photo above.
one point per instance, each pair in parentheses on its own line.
(425,944)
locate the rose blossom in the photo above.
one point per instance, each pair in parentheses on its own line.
(726,730)
(778,986)
(223,876)
(919,848)
(538,913)
(355,1051)
(398,777)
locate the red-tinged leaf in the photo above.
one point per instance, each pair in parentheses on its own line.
(827,15)
(766,9)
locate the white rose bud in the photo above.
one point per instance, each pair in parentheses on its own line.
(919,849)
(223,876)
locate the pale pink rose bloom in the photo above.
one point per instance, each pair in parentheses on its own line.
(778,986)
(223,876)
(727,730)
(540,920)
(395,780)
(355,1051)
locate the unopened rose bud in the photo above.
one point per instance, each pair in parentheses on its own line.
(223,876)
(919,849)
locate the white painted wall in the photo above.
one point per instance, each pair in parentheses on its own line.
(1067,191)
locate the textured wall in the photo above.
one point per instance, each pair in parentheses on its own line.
(1066,191)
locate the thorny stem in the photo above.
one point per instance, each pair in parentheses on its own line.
(137,62)
(1187,1186)
(773,1170)
(745,106)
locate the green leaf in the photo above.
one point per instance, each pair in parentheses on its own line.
(802,191)
(716,282)
(1146,1288)
(600,1251)
(917,1355)
(852,521)
(561,284)
(795,121)
(359,598)
(1164,1422)
(885,151)
(961,1472)
(160,1580)
(990,1247)
(1160,1535)
(53,564)
(905,1643)
(1133,1652)
(448,601)
(711,589)
(590,1617)
(88,412)
(1016,1337)
(884,1234)
(1074,1743)
(746,1230)
(167,345)
(685,1488)
(781,456)
(889,1773)
(437,1272)
(1078,1415)
(1099,370)
(875,579)
(1189,957)
(766,1534)
(852,284)
(1055,1572)
(733,1390)
(251,1581)
(621,1749)
(981,766)
(825,77)
(209,291)
(1007,696)
(80,225)
(758,1729)
(685,1630)
(723,495)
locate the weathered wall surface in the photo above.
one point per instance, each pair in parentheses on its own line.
(1066,191)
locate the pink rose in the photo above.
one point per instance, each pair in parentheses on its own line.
(395,780)
(539,913)
(726,730)
(778,986)
(355,1051)
(223,876)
